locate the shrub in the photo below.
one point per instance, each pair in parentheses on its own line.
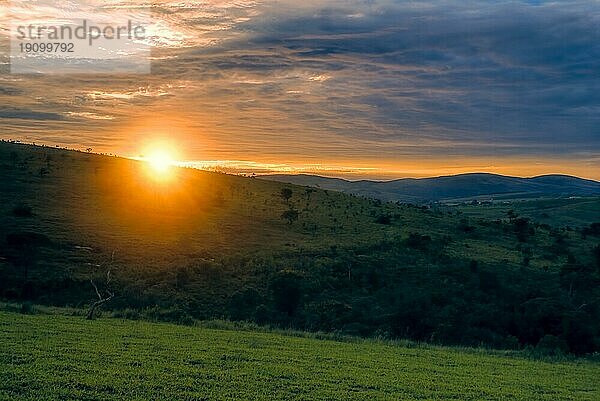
(27,308)
(551,345)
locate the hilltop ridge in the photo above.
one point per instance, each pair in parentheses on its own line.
(454,187)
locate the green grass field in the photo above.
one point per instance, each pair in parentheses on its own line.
(51,357)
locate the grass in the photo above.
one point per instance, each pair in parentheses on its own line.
(49,357)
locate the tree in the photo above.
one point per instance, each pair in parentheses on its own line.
(290,215)
(286,194)
(523,229)
(103,296)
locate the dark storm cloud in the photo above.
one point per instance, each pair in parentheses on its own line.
(504,72)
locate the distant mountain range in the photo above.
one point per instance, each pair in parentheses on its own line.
(455,188)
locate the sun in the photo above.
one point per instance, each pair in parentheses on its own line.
(160,161)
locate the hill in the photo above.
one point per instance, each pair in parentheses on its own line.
(560,212)
(60,357)
(453,188)
(203,245)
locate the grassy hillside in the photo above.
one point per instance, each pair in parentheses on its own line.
(112,204)
(118,203)
(205,245)
(578,212)
(68,358)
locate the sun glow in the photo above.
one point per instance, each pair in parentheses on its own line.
(160,161)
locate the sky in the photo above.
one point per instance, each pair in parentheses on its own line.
(347,88)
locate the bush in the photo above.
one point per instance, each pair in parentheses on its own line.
(551,345)
(27,308)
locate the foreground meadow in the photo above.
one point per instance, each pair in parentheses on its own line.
(49,357)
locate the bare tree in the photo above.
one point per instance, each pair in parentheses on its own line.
(103,296)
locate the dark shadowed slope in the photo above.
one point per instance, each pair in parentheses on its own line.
(457,187)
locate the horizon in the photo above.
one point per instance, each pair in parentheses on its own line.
(254,170)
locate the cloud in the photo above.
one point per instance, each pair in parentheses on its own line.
(89,115)
(10,91)
(25,114)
